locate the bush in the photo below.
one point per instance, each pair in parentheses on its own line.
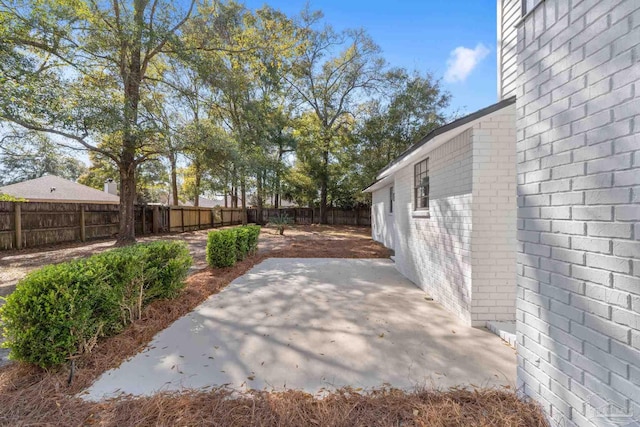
(61,310)
(242,243)
(221,248)
(167,266)
(254,234)
(280,222)
(225,247)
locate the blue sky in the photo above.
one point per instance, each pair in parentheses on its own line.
(455,39)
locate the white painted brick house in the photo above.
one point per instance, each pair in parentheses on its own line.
(574,66)
(447,207)
(566,257)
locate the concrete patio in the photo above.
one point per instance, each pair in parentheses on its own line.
(315,324)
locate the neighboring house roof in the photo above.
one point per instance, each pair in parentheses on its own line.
(447,131)
(203,202)
(51,188)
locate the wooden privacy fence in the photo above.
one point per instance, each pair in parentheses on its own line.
(335,216)
(32,224)
(188,218)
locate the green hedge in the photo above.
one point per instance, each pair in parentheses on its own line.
(221,248)
(225,247)
(61,310)
(254,234)
(242,243)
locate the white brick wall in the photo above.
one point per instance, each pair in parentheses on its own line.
(493,237)
(578,151)
(382,221)
(434,252)
(463,253)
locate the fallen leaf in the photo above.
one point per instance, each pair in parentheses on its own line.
(251,378)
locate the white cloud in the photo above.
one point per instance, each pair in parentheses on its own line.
(462,61)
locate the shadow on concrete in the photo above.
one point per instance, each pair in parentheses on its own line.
(315,324)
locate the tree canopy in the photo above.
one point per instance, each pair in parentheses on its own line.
(178,100)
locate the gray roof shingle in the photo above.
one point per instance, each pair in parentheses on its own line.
(53,188)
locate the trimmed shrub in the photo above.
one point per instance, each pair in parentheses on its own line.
(167,266)
(242,243)
(221,248)
(61,310)
(254,234)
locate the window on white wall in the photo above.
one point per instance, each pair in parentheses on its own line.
(421,185)
(392,196)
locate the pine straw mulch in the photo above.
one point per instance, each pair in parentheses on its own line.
(31,396)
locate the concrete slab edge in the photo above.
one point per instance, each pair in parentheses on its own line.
(505,331)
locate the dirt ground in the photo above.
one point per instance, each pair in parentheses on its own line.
(301,241)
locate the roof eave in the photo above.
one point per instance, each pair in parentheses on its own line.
(447,128)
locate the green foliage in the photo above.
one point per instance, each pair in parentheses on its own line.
(221,248)
(61,310)
(152,179)
(9,198)
(254,234)
(242,243)
(280,222)
(29,155)
(225,247)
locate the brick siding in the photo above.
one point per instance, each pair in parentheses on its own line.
(578,151)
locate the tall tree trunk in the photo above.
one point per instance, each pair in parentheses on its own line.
(131,73)
(323,187)
(196,185)
(126,228)
(259,197)
(276,202)
(243,192)
(234,188)
(225,192)
(174,178)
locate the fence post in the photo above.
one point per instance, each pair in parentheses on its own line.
(333,216)
(357,211)
(182,218)
(18,224)
(83,231)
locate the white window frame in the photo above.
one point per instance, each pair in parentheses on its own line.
(422,174)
